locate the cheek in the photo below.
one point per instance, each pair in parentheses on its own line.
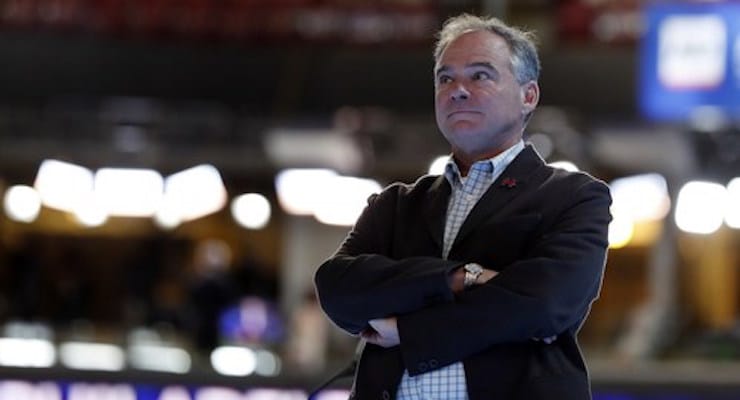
(438,117)
(438,97)
(439,103)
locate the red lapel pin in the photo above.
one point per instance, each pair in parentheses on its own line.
(508,182)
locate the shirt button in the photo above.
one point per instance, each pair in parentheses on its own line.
(433,363)
(423,366)
(386,395)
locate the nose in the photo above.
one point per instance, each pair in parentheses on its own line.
(459,93)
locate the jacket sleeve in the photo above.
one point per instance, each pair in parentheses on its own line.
(546,293)
(361,282)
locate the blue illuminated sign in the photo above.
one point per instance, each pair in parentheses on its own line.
(690,58)
(80,390)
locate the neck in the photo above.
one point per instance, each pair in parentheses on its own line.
(465,160)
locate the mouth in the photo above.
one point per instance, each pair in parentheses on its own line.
(461,112)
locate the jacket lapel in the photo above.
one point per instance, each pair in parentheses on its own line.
(436,209)
(511,183)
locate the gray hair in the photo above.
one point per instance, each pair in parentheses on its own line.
(525,63)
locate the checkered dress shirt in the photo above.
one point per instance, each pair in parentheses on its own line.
(448,383)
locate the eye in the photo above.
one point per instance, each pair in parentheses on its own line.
(481,75)
(444,79)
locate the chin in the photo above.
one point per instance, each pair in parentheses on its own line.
(464,138)
(463,128)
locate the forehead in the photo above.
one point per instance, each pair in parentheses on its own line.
(476,45)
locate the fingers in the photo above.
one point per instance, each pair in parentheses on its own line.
(382,332)
(370,335)
(375,338)
(376,324)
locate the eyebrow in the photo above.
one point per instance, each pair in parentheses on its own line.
(477,64)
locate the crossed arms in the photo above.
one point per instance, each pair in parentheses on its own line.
(546,291)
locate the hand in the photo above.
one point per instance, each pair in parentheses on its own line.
(485,276)
(384,332)
(456,279)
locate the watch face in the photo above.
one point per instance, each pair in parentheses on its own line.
(472,272)
(473,268)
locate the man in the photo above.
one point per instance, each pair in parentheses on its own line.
(474,284)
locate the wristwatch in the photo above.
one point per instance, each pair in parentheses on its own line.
(472,272)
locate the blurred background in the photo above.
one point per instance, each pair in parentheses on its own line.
(173,172)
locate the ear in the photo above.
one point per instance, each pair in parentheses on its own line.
(530,97)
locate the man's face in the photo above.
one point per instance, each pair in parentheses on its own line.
(479,104)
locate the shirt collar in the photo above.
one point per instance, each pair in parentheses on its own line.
(492,165)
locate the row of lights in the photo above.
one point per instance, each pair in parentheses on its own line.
(29,349)
(331,198)
(93,197)
(702,207)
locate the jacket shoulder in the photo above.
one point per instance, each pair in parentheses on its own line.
(573,179)
(404,190)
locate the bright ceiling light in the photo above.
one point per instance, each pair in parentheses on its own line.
(621,231)
(437,167)
(22,203)
(125,192)
(640,197)
(91,356)
(63,186)
(26,352)
(195,192)
(300,191)
(732,215)
(268,363)
(251,210)
(156,357)
(168,217)
(233,360)
(90,213)
(700,207)
(344,199)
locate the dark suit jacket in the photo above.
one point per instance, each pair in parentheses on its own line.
(543,229)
